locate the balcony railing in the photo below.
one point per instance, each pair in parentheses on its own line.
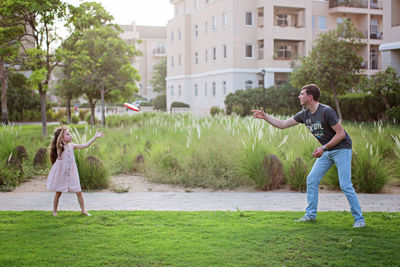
(348,3)
(376,4)
(376,35)
(159,50)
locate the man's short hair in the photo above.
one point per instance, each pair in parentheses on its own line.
(312,89)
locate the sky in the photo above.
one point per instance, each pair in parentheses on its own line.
(143,12)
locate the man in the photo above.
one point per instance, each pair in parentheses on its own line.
(336,148)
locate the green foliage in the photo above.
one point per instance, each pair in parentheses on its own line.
(92,173)
(177,104)
(393,113)
(333,63)
(158,81)
(297,177)
(370,173)
(214,110)
(9,177)
(160,102)
(278,100)
(83,113)
(383,83)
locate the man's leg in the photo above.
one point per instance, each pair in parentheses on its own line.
(320,168)
(342,158)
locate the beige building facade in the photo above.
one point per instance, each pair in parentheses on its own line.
(153,42)
(216,47)
(390,49)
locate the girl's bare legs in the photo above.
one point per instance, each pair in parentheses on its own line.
(55,202)
(82,204)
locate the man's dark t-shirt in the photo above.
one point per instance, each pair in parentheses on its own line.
(320,124)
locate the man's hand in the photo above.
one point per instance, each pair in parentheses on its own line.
(318,152)
(259,114)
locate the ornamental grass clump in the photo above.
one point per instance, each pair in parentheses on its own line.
(297,176)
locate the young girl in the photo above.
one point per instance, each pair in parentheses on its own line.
(63,176)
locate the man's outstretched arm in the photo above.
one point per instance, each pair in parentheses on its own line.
(260,114)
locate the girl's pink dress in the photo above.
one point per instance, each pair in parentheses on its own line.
(64,176)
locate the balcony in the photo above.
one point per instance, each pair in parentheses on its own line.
(289,17)
(374,4)
(348,3)
(159,52)
(376,35)
(288,50)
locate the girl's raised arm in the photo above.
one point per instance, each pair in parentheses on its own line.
(80,146)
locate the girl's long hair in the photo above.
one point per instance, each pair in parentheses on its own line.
(57,146)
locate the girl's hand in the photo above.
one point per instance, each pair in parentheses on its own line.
(98,134)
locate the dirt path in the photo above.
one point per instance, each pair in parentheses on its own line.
(137,183)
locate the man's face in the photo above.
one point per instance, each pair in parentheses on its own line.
(304,98)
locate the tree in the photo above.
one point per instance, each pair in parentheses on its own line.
(39,19)
(158,80)
(333,63)
(11,32)
(383,83)
(101,65)
(81,18)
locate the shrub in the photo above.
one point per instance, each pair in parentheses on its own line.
(92,173)
(8,178)
(369,171)
(41,158)
(21,153)
(83,113)
(297,177)
(74,119)
(214,110)
(179,105)
(160,102)
(274,172)
(393,113)
(169,164)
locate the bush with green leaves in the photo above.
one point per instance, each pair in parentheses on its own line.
(160,102)
(92,173)
(83,113)
(214,110)
(177,104)
(297,176)
(74,119)
(393,114)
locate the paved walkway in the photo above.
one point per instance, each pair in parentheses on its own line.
(162,201)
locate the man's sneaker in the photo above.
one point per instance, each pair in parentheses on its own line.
(305,218)
(359,224)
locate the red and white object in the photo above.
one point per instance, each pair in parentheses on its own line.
(132,107)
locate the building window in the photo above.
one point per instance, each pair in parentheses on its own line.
(224,52)
(196,4)
(206,56)
(214,55)
(196,89)
(225,20)
(249,51)
(179,60)
(172,91)
(214,89)
(214,23)
(260,44)
(282,20)
(284,51)
(205,89)
(249,19)
(172,61)
(196,58)
(322,23)
(179,90)
(313,23)
(224,87)
(206,27)
(248,85)
(179,34)
(196,31)
(172,36)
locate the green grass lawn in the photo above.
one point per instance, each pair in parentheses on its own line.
(148,238)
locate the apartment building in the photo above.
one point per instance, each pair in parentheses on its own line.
(390,48)
(216,47)
(153,47)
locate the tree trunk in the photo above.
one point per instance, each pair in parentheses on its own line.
(68,110)
(337,104)
(3,75)
(92,121)
(42,94)
(103,117)
(385,101)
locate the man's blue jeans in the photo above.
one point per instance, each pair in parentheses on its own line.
(342,159)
